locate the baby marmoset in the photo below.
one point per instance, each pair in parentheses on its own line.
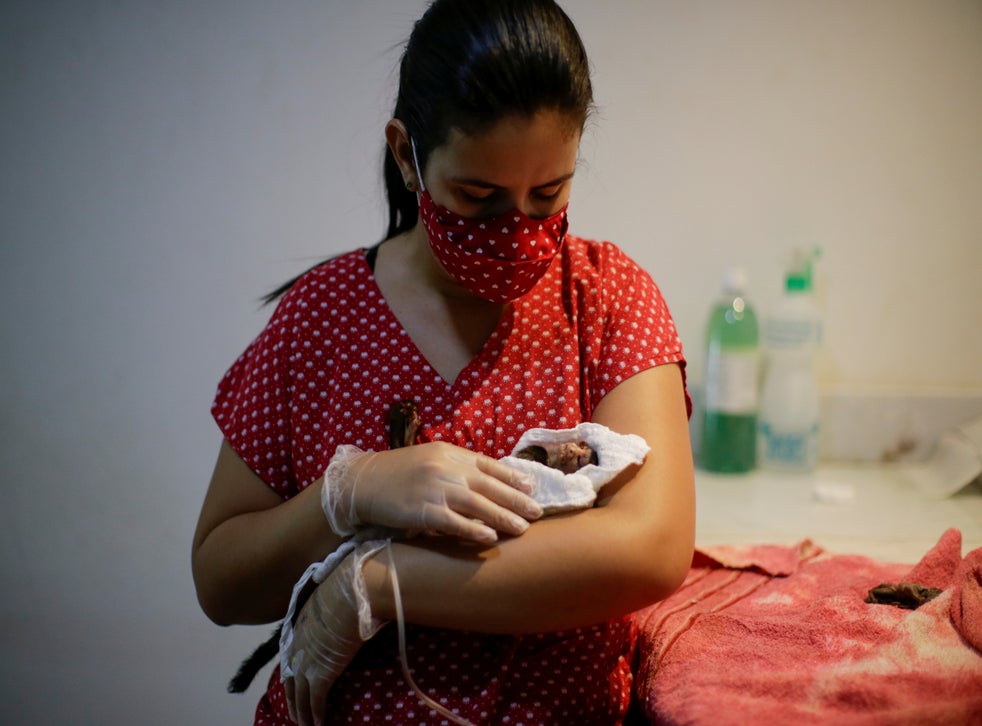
(566,456)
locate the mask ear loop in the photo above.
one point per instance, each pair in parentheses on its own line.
(404,661)
(419,171)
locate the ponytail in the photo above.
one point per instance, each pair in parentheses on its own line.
(467,65)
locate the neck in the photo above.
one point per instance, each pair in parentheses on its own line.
(446,321)
(426,268)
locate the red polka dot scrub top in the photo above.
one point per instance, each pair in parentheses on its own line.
(324,372)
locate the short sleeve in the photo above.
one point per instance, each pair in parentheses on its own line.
(252,405)
(638,332)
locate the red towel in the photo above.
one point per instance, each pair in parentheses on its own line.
(966,599)
(774,634)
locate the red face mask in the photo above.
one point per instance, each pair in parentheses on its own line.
(499,258)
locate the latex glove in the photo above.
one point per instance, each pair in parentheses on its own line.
(329,631)
(435,487)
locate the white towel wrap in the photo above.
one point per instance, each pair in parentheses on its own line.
(558,492)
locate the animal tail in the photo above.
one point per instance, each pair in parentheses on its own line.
(251,665)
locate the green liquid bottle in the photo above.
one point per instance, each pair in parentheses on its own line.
(729,426)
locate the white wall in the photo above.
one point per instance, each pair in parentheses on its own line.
(163,164)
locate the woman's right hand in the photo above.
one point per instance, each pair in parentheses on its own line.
(434,487)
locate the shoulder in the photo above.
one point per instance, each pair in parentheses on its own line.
(322,292)
(598,255)
(606,282)
(327,285)
(339,274)
(603,265)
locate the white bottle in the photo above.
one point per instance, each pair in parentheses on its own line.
(788,422)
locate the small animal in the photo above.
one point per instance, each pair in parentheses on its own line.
(905,595)
(404,425)
(567,456)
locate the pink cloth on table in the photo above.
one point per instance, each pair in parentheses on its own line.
(781,634)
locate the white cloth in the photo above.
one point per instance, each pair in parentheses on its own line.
(558,492)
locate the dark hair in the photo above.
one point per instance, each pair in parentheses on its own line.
(470,63)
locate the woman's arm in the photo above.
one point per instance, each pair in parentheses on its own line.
(250,546)
(595,564)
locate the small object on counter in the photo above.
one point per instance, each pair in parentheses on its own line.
(955,463)
(833,492)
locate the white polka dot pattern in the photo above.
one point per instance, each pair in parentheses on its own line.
(324,372)
(580,677)
(333,358)
(497,259)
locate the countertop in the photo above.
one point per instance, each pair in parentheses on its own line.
(876,510)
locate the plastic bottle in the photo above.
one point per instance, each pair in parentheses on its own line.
(732,359)
(789,413)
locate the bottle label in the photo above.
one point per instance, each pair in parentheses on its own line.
(788,449)
(793,333)
(731,381)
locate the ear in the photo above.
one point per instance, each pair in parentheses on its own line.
(397,137)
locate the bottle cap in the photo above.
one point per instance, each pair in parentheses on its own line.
(735,280)
(794,282)
(799,277)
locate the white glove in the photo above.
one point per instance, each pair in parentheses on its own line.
(435,487)
(330,630)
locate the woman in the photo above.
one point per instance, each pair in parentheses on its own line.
(512,617)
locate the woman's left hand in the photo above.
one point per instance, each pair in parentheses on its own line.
(327,636)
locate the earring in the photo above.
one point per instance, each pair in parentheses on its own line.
(410,185)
